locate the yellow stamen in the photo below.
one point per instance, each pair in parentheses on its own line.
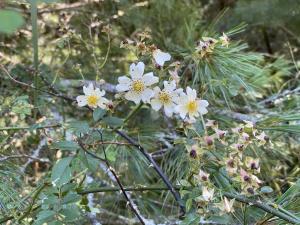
(92,100)
(138,86)
(192,106)
(164,97)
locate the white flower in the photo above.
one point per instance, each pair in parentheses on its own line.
(189,104)
(138,87)
(92,97)
(166,98)
(226,206)
(161,57)
(203,176)
(224,40)
(207,195)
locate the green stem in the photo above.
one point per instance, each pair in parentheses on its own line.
(133,112)
(35,49)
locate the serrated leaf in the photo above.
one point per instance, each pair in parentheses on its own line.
(61,172)
(98,114)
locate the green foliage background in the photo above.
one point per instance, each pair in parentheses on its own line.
(257,77)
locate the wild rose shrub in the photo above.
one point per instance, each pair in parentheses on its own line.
(178,133)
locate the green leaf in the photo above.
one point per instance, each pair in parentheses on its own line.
(44,216)
(65,145)
(79,127)
(71,213)
(113,121)
(61,172)
(71,198)
(10,21)
(98,114)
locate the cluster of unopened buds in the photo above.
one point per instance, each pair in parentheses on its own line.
(242,168)
(140,88)
(207,44)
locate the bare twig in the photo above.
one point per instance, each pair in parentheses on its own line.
(24,156)
(116,178)
(281,95)
(156,168)
(31,127)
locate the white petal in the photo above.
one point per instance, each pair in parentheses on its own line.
(137,71)
(202,110)
(102,102)
(192,94)
(169,109)
(170,86)
(203,103)
(156,104)
(82,100)
(99,93)
(149,79)
(133,96)
(89,89)
(124,80)
(156,91)
(161,57)
(122,87)
(182,99)
(147,94)
(181,109)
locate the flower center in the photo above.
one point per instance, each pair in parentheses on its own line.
(92,100)
(138,86)
(192,106)
(164,97)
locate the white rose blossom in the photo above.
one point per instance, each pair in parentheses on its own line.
(166,98)
(92,97)
(207,194)
(137,87)
(189,105)
(161,57)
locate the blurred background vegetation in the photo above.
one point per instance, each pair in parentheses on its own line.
(258,76)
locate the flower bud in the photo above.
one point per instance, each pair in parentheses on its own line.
(209,140)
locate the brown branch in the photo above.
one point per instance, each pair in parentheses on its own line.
(116,178)
(24,156)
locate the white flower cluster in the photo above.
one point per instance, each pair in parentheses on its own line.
(139,88)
